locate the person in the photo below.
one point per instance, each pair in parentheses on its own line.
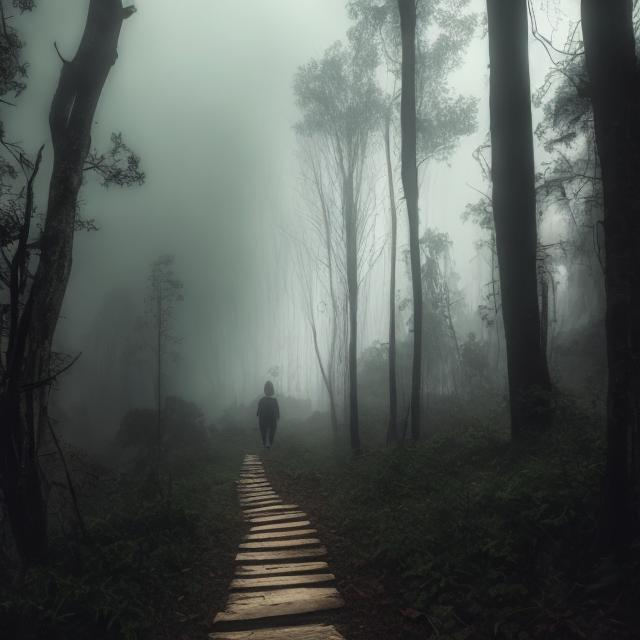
(268,415)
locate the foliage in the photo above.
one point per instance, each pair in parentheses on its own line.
(183,425)
(444,31)
(469,538)
(151,566)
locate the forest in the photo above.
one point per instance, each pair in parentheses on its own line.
(414,224)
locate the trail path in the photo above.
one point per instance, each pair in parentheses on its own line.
(282,589)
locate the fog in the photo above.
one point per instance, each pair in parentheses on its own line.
(203,92)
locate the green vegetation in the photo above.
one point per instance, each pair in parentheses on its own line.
(151,567)
(466,537)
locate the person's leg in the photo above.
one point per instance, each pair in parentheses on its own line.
(264,433)
(272,433)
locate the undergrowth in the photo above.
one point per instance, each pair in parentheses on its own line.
(151,567)
(469,537)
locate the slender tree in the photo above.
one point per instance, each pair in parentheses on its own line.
(408,123)
(514,211)
(612,65)
(340,104)
(392,430)
(164,292)
(323,211)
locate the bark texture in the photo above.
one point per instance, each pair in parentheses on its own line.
(514,212)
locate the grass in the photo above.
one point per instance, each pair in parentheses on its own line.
(153,568)
(465,537)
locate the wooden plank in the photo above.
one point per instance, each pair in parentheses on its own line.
(278,582)
(265,493)
(269,508)
(278,517)
(280,568)
(280,544)
(280,534)
(262,502)
(275,556)
(279,525)
(261,605)
(305,632)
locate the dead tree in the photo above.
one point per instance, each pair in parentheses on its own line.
(30,366)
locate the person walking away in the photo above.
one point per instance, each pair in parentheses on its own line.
(268,415)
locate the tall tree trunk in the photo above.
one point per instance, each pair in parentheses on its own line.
(514,212)
(609,43)
(23,417)
(407,10)
(351,233)
(392,432)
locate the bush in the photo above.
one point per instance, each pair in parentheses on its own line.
(473,538)
(150,566)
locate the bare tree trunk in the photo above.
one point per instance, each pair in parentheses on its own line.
(159,309)
(407,10)
(23,416)
(327,382)
(392,432)
(609,43)
(544,312)
(331,364)
(351,237)
(514,211)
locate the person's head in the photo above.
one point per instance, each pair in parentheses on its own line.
(268,388)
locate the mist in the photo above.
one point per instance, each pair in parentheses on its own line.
(413,219)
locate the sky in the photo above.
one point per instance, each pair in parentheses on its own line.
(202,90)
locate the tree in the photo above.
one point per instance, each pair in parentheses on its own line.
(514,212)
(322,208)
(612,65)
(164,292)
(36,298)
(392,430)
(340,107)
(443,30)
(407,9)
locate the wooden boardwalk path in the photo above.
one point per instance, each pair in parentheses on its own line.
(282,589)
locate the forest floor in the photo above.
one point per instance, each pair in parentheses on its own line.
(462,537)
(152,567)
